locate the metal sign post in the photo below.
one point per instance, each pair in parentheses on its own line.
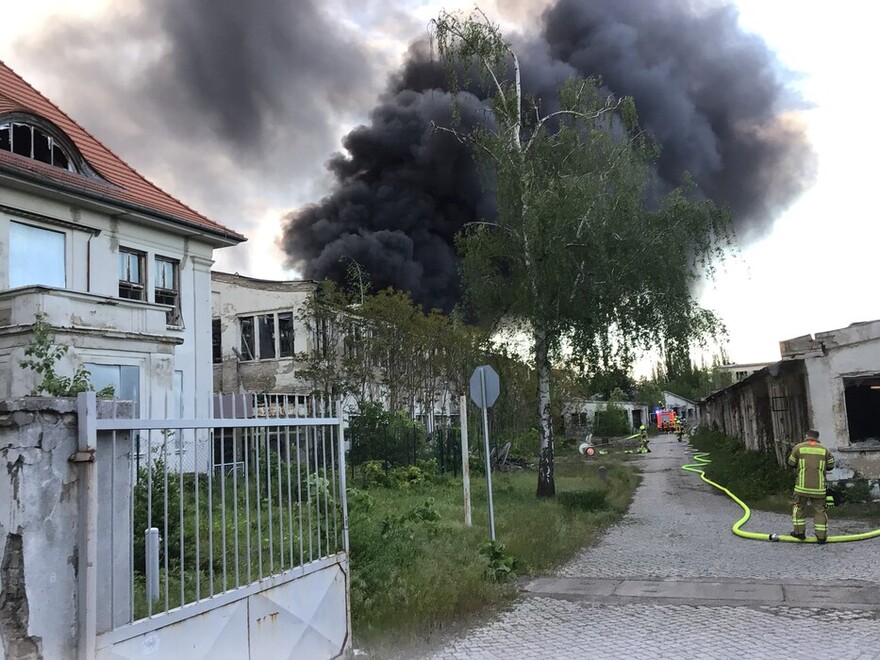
(485,387)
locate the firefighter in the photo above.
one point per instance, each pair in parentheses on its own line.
(643,440)
(679,428)
(812,460)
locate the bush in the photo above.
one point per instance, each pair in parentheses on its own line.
(379,435)
(611,421)
(526,445)
(751,475)
(584,500)
(500,566)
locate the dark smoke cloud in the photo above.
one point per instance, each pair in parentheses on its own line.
(714,98)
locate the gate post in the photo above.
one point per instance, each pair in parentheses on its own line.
(88,524)
(344,502)
(342,478)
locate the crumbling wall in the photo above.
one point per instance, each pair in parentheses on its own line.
(38,528)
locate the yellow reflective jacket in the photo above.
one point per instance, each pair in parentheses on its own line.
(811,460)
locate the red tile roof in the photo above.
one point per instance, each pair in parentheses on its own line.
(122,185)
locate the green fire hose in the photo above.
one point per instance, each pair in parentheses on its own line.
(698,467)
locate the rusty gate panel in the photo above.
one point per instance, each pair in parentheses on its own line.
(219,633)
(304,618)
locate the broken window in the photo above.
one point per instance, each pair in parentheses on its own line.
(216,346)
(33,142)
(862,397)
(36,256)
(167,289)
(248,348)
(267,336)
(285,334)
(21,139)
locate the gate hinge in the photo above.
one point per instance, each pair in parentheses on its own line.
(87,456)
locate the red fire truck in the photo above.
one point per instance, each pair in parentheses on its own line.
(666,420)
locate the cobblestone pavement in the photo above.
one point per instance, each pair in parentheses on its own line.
(679,528)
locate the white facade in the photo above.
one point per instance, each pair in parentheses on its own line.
(142,347)
(683,407)
(742,371)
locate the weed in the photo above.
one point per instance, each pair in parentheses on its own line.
(41,357)
(501,565)
(584,500)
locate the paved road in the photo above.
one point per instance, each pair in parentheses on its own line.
(672,581)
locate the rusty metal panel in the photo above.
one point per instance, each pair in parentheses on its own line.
(218,633)
(304,618)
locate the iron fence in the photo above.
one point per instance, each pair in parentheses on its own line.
(190,510)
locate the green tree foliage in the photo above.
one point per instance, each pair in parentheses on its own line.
(42,356)
(575,258)
(611,421)
(383,348)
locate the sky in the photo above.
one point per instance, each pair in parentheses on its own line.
(814,271)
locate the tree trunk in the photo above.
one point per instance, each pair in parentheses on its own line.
(546,479)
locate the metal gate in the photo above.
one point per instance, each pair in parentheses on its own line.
(186,556)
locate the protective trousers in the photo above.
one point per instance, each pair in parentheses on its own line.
(799,515)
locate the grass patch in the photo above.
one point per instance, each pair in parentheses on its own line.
(417,570)
(754,476)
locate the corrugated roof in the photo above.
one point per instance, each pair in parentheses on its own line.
(123,184)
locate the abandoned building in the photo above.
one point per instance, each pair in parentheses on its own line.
(257,333)
(682,406)
(119,268)
(579,415)
(830,382)
(264,335)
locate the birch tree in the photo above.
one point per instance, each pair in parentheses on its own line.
(584,254)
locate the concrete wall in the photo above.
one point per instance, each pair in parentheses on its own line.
(845,353)
(39,529)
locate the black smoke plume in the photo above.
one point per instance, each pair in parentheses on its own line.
(715,99)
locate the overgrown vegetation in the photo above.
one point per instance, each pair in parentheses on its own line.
(42,356)
(381,347)
(752,475)
(756,478)
(611,421)
(417,570)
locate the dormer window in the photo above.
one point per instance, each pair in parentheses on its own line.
(33,142)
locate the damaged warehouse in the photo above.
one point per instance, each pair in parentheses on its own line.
(830,381)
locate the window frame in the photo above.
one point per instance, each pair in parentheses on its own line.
(14,127)
(64,249)
(216,341)
(258,330)
(247,353)
(286,339)
(132,285)
(173,317)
